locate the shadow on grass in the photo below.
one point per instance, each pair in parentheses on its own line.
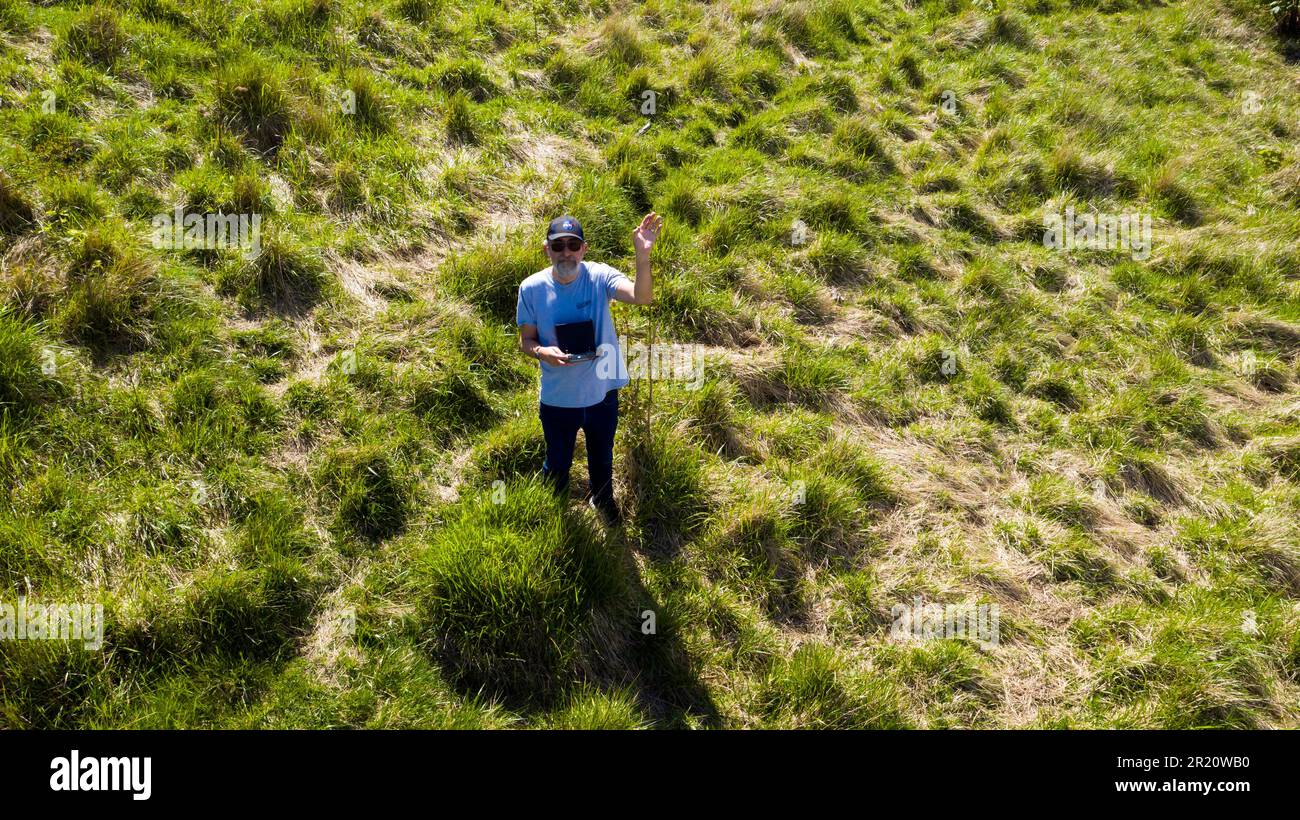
(620,654)
(655,664)
(525,601)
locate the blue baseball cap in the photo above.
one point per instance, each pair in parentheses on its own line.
(564,226)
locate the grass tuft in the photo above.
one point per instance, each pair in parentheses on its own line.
(251,98)
(366,488)
(508,594)
(16,211)
(97,38)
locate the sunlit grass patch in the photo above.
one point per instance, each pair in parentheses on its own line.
(814,688)
(670,487)
(1187,666)
(16,212)
(287,275)
(598,711)
(25,384)
(252,612)
(98,38)
(450,398)
(112,291)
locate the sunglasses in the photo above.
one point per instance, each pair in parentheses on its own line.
(574,244)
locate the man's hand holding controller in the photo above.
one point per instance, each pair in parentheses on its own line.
(552,355)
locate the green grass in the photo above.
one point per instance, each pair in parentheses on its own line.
(304,482)
(515,614)
(25,384)
(813,689)
(366,489)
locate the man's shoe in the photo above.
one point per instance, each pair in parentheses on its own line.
(608,513)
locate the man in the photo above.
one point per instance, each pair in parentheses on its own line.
(579,393)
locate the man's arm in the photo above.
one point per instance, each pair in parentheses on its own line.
(643,239)
(533,347)
(528,341)
(638,292)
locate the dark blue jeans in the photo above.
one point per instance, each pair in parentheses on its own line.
(560,427)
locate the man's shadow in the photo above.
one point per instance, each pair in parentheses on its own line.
(632,643)
(654,662)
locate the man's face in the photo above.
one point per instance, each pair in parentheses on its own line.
(570,253)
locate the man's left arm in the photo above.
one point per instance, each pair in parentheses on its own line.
(635,292)
(643,239)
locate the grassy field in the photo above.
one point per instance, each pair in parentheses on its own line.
(301,483)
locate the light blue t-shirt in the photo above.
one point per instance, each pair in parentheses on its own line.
(546,303)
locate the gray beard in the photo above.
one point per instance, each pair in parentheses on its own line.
(565,270)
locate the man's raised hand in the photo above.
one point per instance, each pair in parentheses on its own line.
(643,238)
